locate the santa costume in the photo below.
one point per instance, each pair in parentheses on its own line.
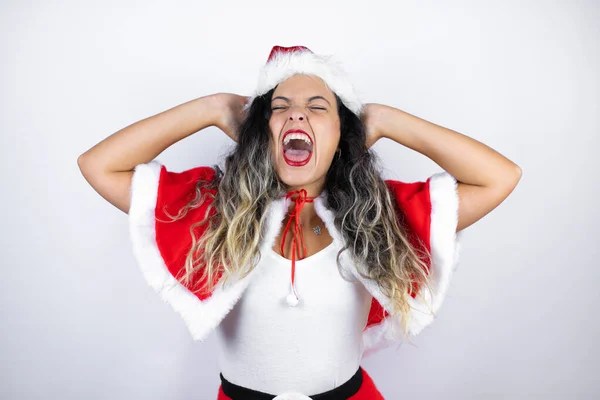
(292,329)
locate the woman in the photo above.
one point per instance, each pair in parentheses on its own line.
(298,255)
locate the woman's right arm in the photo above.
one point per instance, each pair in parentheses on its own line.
(109,165)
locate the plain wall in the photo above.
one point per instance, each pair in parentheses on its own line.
(79,321)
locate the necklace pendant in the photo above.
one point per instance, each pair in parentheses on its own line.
(317,229)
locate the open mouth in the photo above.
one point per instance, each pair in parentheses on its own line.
(297,148)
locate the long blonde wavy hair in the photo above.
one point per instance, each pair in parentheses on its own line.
(365,212)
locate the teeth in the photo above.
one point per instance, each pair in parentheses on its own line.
(300,136)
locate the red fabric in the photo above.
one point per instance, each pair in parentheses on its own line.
(282,49)
(367,391)
(376,314)
(175,190)
(414,211)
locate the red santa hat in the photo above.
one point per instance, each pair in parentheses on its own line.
(284,62)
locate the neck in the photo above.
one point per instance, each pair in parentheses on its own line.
(308,216)
(313,189)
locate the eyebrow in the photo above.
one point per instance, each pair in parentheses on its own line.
(309,100)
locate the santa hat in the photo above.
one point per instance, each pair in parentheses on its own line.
(284,62)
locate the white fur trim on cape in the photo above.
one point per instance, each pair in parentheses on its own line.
(201,317)
(445,244)
(284,65)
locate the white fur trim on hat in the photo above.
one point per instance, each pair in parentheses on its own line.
(286,64)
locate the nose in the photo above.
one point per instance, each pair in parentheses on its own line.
(296,113)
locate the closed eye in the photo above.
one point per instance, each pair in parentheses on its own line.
(312,108)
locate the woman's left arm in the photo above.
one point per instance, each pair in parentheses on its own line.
(485,177)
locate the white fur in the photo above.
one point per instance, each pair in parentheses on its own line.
(283,65)
(382,335)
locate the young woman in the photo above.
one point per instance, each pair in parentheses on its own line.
(298,255)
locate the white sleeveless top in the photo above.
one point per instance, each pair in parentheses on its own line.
(266,345)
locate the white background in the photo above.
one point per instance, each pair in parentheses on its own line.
(519,322)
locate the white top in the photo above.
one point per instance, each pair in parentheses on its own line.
(266,345)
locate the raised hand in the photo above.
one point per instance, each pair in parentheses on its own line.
(370,118)
(231,113)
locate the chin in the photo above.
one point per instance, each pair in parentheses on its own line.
(296,180)
(295,177)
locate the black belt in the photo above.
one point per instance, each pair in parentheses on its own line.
(343,392)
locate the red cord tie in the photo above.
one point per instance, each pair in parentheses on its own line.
(301,199)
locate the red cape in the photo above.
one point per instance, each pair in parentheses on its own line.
(429,209)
